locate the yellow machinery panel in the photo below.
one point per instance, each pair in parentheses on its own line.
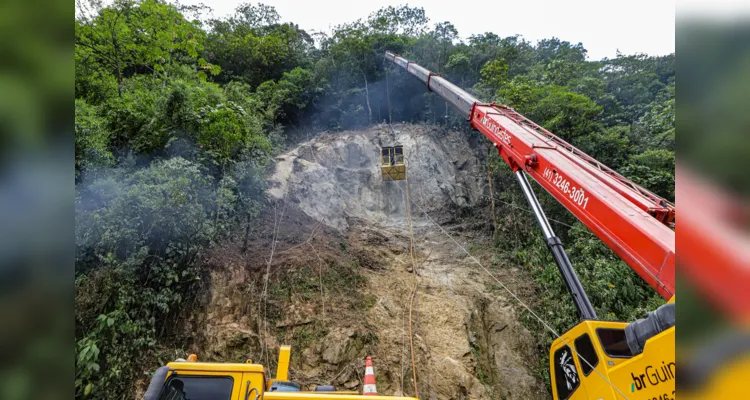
(241,381)
(392,163)
(616,372)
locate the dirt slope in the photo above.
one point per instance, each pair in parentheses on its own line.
(340,282)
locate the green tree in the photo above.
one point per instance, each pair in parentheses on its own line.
(254,16)
(567,114)
(353,49)
(548,50)
(403,20)
(659,124)
(92,138)
(495,74)
(635,81)
(288,98)
(444,34)
(226,132)
(516,51)
(611,146)
(130,36)
(654,170)
(135,119)
(253,47)
(460,70)
(561,73)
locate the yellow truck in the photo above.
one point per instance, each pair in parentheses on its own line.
(193,380)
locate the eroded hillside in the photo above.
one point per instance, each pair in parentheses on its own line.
(340,284)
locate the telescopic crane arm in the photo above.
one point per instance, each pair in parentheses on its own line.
(635,223)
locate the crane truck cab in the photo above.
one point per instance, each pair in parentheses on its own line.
(597,359)
(193,380)
(201,380)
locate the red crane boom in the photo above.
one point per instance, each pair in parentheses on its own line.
(632,221)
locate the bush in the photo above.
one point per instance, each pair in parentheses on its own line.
(136,120)
(142,233)
(610,147)
(226,132)
(92,139)
(654,170)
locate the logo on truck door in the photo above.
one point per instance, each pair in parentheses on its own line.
(569,370)
(565,379)
(653,376)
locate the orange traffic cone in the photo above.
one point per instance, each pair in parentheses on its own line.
(369,387)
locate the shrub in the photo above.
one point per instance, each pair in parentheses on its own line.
(92,138)
(144,232)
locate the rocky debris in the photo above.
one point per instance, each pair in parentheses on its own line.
(502,350)
(337,344)
(453,381)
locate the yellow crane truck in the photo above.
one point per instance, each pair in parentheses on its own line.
(193,380)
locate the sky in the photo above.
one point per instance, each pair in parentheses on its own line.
(603,26)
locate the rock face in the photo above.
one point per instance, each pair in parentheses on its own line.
(337,176)
(467,340)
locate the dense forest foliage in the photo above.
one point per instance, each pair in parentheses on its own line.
(177,114)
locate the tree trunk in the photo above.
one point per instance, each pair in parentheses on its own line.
(119,69)
(116,46)
(119,80)
(367,97)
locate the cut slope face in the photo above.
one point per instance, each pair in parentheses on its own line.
(467,339)
(337,176)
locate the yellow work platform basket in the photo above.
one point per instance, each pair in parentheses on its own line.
(392,163)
